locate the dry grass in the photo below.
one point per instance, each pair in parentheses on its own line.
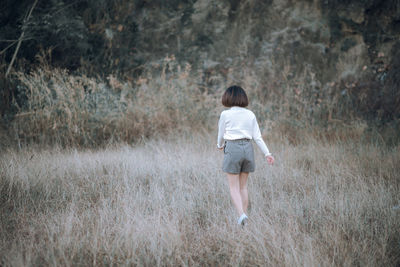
(167,203)
(79,111)
(72,110)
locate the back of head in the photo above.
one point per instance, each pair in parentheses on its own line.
(235,96)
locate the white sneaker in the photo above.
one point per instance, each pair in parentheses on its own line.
(243,219)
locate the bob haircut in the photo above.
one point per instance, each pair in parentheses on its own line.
(235,96)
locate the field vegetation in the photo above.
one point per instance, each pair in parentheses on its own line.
(113,172)
(166,202)
(108,115)
(56,107)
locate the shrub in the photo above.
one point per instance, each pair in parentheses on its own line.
(78,110)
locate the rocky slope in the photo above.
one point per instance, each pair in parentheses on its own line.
(340,47)
(344,47)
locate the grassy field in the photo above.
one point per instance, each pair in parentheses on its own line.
(167,203)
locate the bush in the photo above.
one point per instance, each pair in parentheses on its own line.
(77,110)
(55,106)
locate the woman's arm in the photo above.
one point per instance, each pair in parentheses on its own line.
(258,138)
(221,131)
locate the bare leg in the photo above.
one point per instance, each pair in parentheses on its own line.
(234,187)
(243,190)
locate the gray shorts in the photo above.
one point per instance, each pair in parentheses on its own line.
(238,156)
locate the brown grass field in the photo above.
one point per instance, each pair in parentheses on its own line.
(166,202)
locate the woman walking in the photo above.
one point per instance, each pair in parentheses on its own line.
(236,128)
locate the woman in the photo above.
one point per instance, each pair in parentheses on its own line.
(236,128)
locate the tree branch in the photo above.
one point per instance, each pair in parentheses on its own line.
(20,38)
(10,45)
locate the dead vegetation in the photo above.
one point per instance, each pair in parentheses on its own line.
(167,203)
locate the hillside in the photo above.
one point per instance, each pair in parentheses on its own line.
(313,62)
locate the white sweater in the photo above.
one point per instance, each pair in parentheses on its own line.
(238,123)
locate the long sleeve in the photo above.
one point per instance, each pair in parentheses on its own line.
(221,131)
(258,138)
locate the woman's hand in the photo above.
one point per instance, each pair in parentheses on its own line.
(270,160)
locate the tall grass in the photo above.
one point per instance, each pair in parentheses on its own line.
(167,203)
(76,110)
(72,110)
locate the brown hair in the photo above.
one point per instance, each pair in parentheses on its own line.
(235,96)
